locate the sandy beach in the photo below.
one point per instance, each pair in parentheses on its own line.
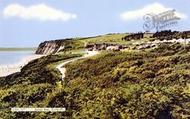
(8,69)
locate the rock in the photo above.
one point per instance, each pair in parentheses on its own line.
(49,47)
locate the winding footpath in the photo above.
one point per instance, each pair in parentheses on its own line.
(61,67)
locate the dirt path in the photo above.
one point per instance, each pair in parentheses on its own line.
(63,69)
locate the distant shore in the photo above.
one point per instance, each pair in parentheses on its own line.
(17,49)
(8,69)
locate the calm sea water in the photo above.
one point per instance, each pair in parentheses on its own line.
(12,57)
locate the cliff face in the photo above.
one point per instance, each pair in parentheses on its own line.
(49,47)
(54,46)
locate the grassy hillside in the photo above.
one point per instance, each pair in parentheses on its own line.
(79,43)
(37,83)
(112,85)
(151,84)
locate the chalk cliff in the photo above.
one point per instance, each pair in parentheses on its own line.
(49,47)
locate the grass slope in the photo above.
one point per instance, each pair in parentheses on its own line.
(37,83)
(150,84)
(135,84)
(79,43)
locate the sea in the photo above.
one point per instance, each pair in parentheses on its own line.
(13,57)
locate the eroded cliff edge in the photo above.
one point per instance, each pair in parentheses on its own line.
(49,47)
(54,46)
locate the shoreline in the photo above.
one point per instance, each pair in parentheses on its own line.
(7,69)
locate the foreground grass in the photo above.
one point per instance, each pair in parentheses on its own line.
(150,84)
(38,82)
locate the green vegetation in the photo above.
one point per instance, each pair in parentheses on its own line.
(112,85)
(110,38)
(149,84)
(79,43)
(37,83)
(74,44)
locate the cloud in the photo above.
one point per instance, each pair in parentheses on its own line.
(154,8)
(40,12)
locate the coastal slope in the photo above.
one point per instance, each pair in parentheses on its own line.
(131,84)
(138,82)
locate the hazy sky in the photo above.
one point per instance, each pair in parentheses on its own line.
(26,23)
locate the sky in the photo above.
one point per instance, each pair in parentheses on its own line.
(26,23)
